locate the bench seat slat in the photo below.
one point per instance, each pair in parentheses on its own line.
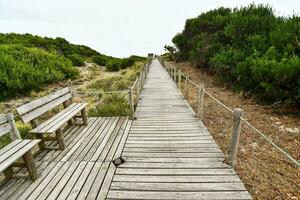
(54,123)
(13,153)
(11,149)
(51,120)
(9,146)
(67,117)
(59,121)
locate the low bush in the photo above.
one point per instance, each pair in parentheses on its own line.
(25,69)
(111,105)
(100,60)
(249,48)
(76,59)
(113,65)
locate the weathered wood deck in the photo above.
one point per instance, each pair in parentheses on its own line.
(168,154)
(82,171)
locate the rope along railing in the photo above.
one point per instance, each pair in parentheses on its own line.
(176,74)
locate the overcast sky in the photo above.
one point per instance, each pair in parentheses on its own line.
(118,28)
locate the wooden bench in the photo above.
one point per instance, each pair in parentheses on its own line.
(16,149)
(33,110)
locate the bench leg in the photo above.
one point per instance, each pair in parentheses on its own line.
(60,139)
(41,144)
(8,172)
(84,116)
(30,165)
(66,104)
(70,122)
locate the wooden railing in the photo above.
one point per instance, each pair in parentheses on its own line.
(137,87)
(178,77)
(133,92)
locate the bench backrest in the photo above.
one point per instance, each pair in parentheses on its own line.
(40,106)
(8,125)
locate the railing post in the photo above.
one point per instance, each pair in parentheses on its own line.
(235,138)
(179,79)
(138,86)
(131,103)
(187,87)
(141,82)
(200,101)
(175,75)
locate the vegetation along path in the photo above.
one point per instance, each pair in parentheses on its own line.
(169,154)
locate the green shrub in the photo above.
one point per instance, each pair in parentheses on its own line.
(111,83)
(113,65)
(26,69)
(100,60)
(126,62)
(249,48)
(58,44)
(111,105)
(76,59)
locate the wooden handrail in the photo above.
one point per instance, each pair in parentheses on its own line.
(168,66)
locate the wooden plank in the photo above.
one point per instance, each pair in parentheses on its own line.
(42,101)
(172,155)
(59,176)
(123,141)
(115,144)
(99,167)
(54,123)
(16,152)
(48,122)
(119,194)
(81,180)
(67,117)
(60,185)
(170,149)
(43,109)
(165,165)
(102,146)
(106,183)
(189,145)
(111,140)
(9,147)
(89,141)
(162,171)
(40,183)
(68,187)
(76,143)
(144,186)
(19,185)
(206,141)
(98,182)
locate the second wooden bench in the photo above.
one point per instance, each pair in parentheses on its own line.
(32,111)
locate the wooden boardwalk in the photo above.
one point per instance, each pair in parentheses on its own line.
(168,153)
(82,171)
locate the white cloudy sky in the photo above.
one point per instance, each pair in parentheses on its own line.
(115,27)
